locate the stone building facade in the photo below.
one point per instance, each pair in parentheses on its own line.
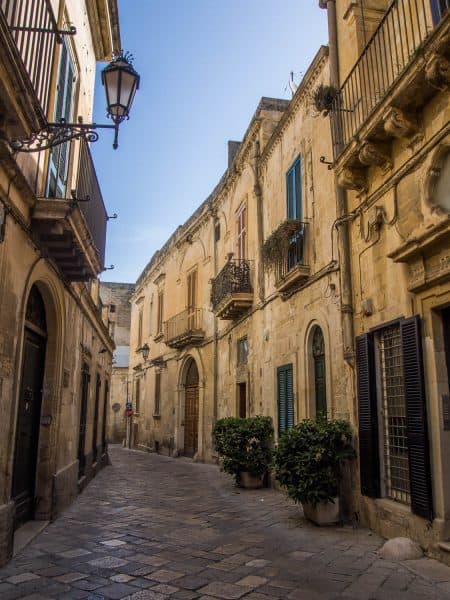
(55,348)
(233,330)
(350,315)
(390,117)
(116,299)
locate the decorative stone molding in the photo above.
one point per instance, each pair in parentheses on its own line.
(378,155)
(352,179)
(398,123)
(437,71)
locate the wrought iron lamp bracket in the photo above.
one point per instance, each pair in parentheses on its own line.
(324,161)
(55,134)
(113,216)
(110,268)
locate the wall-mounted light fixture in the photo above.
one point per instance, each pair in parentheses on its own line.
(120,81)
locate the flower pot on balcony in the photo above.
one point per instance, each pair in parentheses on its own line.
(323,513)
(249,481)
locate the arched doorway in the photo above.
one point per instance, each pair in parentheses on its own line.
(191,403)
(29,411)
(320,388)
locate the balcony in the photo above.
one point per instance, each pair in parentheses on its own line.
(291,267)
(72,231)
(28,36)
(232,293)
(402,66)
(184,329)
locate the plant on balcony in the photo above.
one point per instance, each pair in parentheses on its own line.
(276,246)
(245,448)
(323,98)
(308,463)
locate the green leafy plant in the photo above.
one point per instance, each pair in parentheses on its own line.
(276,245)
(309,457)
(244,445)
(323,97)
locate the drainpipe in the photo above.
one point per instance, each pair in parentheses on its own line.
(216,336)
(341,204)
(259,221)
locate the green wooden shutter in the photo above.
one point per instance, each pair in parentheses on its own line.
(290,194)
(298,188)
(281,400)
(369,459)
(285,398)
(418,447)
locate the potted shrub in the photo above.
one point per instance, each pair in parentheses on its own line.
(245,448)
(308,464)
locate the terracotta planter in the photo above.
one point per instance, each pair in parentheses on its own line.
(324,513)
(249,481)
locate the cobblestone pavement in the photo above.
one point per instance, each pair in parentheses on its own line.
(152,528)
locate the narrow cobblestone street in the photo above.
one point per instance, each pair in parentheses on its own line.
(151,527)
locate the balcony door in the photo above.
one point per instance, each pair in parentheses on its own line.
(29,412)
(294,211)
(191,299)
(241,232)
(58,165)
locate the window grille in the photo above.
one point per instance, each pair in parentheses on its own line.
(394,419)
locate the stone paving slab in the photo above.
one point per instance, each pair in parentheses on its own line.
(150,527)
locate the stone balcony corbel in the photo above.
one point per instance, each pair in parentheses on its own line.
(399,123)
(353,178)
(437,71)
(375,154)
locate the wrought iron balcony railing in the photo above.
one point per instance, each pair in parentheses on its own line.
(91,204)
(293,257)
(233,281)
(185,328)
(33,28)
(403,29)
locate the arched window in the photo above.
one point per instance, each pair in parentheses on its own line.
(320,389)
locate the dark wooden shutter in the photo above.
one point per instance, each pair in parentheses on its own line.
(418,447)
(369,459)
(281,400)
(298,189)
(289,397)
(290,184)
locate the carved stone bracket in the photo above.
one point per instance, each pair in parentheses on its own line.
(399,124)
(378,155)
(437,71)
(353,179)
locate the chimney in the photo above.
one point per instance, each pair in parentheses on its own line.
(233,149)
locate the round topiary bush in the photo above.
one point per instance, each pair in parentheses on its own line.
(309,457)
(244,445)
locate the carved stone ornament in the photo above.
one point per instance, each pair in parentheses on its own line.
(377,155)
(437,71)
(398,123)
(352,179)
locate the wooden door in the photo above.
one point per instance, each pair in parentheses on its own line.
(85,378)
(320,387)
(191,420)
(28,423)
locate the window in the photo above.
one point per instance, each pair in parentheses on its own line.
(150,318)
(160,312)
(394,451)
(140,328)
(112,308)
(59,155)
(285,398)
(294,190)
(137,396)
(191,298)
(157,394)
(242,351)
(241,226)
(217,231)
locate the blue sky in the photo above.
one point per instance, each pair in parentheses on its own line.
(204,66)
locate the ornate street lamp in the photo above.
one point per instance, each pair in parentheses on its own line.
(120,81)
(145,351)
